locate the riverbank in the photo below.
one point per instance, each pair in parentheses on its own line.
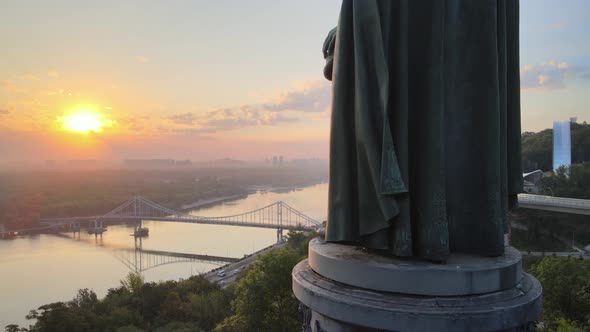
(212,201)
(209,202)
(283,189)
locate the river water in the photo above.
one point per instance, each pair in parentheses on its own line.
(36,270)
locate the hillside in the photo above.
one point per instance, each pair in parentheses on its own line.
(537,148)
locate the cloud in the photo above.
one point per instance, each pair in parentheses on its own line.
(224,119)
(30,77)
(549,75)
(134,123)
(228,119)
(183,119)
(308,98)
(313,96)
(53,74)
(9,86)
(142,59)
(4,112)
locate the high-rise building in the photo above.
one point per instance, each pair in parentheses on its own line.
(562,144)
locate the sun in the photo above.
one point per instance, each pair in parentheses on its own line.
(84,121)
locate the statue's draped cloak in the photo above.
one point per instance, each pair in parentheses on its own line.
(425,136)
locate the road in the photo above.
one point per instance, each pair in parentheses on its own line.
(232,270)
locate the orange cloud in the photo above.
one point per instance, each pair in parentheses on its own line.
(30,77)
(549,75)
(558,25)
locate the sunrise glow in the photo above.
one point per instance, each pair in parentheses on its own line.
(84,121)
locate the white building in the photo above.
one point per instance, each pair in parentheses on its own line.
(562,144)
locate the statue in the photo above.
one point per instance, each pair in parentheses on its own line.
(425,128)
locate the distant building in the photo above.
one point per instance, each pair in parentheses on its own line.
(562,144)
(150,162)
(83,162)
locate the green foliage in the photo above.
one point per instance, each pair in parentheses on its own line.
(191,305)
(14,328)
(564,325)
(537,150)
(298,240)
(566,293)
(129,328)
(179,327)
(571,182)
(264,301)
(133,282)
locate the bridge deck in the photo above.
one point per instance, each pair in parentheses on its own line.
(277,215)
(556,204)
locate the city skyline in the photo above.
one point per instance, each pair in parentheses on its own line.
(207,81)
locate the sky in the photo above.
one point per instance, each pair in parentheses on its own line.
(205,80)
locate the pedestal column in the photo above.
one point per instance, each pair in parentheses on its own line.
(343,288)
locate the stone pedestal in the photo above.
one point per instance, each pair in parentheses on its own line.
(343,288)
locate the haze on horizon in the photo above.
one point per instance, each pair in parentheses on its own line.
(208,80)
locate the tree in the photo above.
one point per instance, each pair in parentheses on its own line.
(566,296)
(209,309)
(133,282)
(172,308)
(573,181)
(14,328)
(60,316)
(264,301)
(298,240)
(564,325)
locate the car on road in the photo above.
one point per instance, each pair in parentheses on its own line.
(221,273)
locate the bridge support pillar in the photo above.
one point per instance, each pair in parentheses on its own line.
(280,235)
(75,228)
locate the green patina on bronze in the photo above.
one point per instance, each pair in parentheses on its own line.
(425,136)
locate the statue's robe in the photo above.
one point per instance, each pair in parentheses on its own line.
(425,135)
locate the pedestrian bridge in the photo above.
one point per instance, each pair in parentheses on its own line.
(278,215)
(556,204)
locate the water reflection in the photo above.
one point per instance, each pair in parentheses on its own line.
(139,260)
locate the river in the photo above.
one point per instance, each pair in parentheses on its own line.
(36,270)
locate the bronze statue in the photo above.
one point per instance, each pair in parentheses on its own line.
(425,136)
